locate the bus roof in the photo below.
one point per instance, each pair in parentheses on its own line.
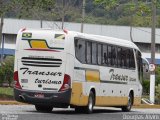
(98,38)
(106,39)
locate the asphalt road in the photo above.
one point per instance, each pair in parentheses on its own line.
(28,112)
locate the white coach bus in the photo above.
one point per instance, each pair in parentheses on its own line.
(65,68)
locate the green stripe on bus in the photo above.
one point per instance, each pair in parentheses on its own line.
(55,48)
(114,82)
(81,68)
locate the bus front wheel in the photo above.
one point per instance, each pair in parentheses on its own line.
(43,108)
(129,105)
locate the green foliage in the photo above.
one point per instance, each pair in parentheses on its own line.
(2,75)
(146,86)
(157,75)
(30,8)
(109,4)
(141,21)
(6,93)
(4,6)
(137,10)
(6,70)
(9,69)
(47,9)
(128,6)
(157,94)
(113,12)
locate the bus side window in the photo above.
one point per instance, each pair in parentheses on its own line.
(80,50)
(127,58)
(119,59)
(123,57)
(99,54)
(139,65)
(132,60)
(114,57)
(109,55)
(104,55)
(94,53)
(89,52)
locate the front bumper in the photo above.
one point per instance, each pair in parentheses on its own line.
(56,99)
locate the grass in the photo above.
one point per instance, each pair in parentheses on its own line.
(6,93)
(147,106)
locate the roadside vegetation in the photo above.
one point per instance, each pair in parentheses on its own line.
(6,78)
(6,93)
(146,86)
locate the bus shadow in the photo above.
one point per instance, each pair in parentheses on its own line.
(72,112)
(96,111)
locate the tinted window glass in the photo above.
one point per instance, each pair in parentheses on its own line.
(139,65)
(114,56)
(132,60)
(94,53)
(127,57)
(99,54)
(109,55)
(119,57)
(123,57)
(80,50)
(89,48)
(104,55)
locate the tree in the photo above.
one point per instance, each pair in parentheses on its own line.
(63,9)
(9,69)
(33,8)
(108,4)
(4,7)
(43,9)
(6,71)
(2,75)
(130,10)
(157,75)
(127,7)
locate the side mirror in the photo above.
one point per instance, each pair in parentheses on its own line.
(145,65)
(146,68)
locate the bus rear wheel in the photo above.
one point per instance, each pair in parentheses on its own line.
(91,102)
(129,105)
(43,108)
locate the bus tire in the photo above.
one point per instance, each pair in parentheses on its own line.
(129,105)
(43,108)
(91,102)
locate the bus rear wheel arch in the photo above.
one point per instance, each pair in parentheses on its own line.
(90,105)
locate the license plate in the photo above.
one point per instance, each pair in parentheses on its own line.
(39,95)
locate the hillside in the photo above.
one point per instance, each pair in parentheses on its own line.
(96,13)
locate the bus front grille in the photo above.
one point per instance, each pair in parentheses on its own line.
(41,62)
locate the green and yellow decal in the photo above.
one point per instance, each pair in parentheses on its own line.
(41,44)
(38,44)
(60,36)
(27,35)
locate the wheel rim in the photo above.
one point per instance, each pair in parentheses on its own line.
(90,104)
(129,103)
